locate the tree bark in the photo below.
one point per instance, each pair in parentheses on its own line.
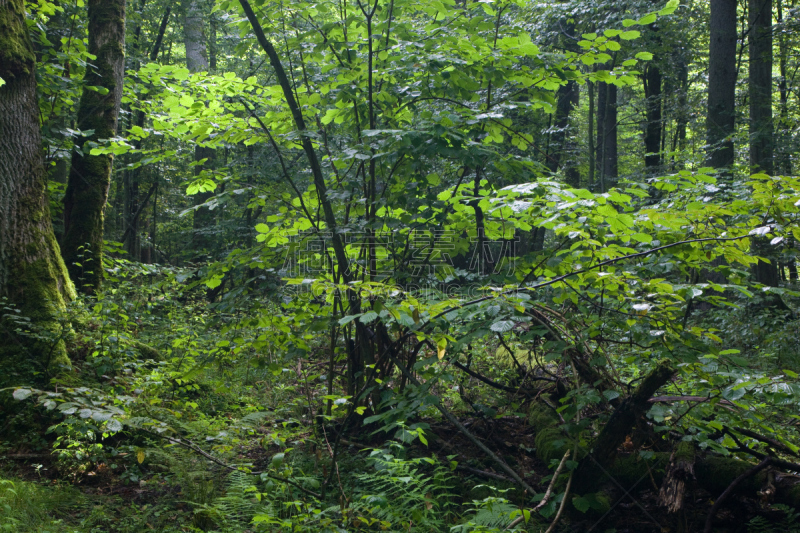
(721,84)
(197,61)
(607,157)
(32,274)
(761,124)
(760,86)
(90,176)
(653,126)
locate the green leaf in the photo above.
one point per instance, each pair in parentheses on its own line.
(648,19)
(21,394)
(262,228)
(630,35)
(368,317)
(347,319)
(502,326)
(581,504)
(645,56)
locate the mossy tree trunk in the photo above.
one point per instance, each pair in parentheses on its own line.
(32,275)
(90,176)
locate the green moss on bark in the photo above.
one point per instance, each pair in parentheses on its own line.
(16,49)
(90,176)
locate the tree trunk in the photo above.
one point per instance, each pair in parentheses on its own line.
(90,176)
(761,126)
(133,177)
(607,158)
(784,163)
(682,118)
(760,86)
(32,275)
(721,84)
(197,61)
(567,97)
(653,126)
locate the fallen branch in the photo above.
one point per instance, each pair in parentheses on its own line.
(731,488)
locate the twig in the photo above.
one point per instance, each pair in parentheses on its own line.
(483,473)
(724,496)
(547,493)
(772,442)
(563,504)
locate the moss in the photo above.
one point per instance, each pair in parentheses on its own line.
(541,416)
(16,49)
(551,444)
(684,452)
(147,352)
(717,473)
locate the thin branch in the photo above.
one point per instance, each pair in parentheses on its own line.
(731,488)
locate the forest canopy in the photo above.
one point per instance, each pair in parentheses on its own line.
(399,265)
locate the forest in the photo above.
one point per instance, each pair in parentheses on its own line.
(399,265)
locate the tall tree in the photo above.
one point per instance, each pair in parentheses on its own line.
(761,125)
(607,152)
(721,83)
(32,275)
(197,61)
(653,124)
(760,86)
(90,176)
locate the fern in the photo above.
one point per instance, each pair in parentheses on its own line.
(400,493)
(790,523)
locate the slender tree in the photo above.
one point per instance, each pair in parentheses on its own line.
(761,124)
(653,124)
(607,151)
(32,275)
(90,176)
(197,61)
(721,83)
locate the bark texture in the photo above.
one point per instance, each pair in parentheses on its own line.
(653,126)
(607,154)
(90,176)
(761,123)
(32,275)
(721,83)
(197,61)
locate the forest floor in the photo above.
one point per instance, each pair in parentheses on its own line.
(246,411)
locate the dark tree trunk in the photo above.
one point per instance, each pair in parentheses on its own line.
(653,126)
(682,119)
(760,86)
(566,101)
(784,163)
(721,83)
(197,61)
(761,126)
(607,158)
(32,275)
(90,176)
